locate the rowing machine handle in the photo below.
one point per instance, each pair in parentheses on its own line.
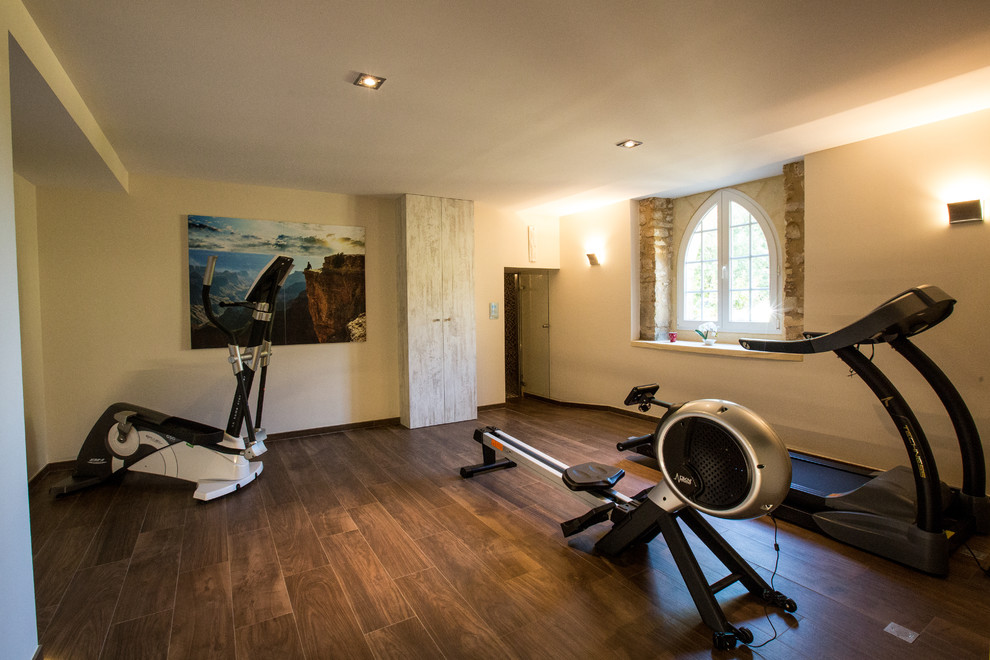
(634,442)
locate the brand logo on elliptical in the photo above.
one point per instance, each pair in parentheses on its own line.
(97,461)
(681,479)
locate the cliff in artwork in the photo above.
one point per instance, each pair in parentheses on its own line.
(337,298)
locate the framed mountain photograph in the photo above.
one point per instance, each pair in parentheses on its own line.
(321,301)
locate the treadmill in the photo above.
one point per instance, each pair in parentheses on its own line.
(905,514)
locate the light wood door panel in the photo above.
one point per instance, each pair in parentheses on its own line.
(437,329)
(459,370)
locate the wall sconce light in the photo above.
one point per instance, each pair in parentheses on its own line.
(593,259)
(971,211)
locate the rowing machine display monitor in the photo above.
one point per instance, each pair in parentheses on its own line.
(642,396)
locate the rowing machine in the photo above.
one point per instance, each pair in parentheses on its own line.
(717,457)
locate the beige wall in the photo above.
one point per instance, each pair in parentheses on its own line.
(29,304)
(591,322)
(876,225)
(502,241)
(114,286)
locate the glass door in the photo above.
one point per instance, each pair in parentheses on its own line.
(534,332)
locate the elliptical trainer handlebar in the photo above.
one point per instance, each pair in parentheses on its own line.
(211,264)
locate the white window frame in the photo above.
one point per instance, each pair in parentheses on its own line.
(723,198)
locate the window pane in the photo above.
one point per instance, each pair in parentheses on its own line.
(739,241)
(740,273)
(692,277)
(759,240)
(761,306)
(709,279)
(739,215)
(739,311)
(693,252)
(709,245)
(710,220)
(710,312)
(761,272)
(692,304)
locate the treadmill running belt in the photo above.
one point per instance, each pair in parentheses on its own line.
(823,480)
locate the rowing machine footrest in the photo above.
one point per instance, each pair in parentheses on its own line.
(581,523)
(592,476)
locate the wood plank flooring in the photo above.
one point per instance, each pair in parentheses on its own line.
(368,544)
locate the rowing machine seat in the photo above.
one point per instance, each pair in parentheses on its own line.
(592,476)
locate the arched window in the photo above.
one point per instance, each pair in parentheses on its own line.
(728,267)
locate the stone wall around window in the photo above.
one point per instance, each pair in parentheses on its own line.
(663,221)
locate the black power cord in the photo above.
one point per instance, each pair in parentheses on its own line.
(772,596)
(986,571)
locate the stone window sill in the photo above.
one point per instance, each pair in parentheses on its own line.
(720,350)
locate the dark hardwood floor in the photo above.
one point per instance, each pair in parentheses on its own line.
(368,544)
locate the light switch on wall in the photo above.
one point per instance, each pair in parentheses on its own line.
(493,310)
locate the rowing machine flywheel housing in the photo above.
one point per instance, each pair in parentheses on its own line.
(723,459)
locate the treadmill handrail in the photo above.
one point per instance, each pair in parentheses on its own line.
(904,315)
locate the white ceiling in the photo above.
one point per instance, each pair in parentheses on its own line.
(517,103)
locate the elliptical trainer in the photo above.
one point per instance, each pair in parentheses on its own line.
(217,460)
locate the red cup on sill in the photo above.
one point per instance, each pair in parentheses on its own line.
(672,337)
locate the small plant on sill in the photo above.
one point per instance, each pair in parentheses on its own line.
(708,331)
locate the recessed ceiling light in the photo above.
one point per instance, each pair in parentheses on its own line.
(369,81)
(628,144)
